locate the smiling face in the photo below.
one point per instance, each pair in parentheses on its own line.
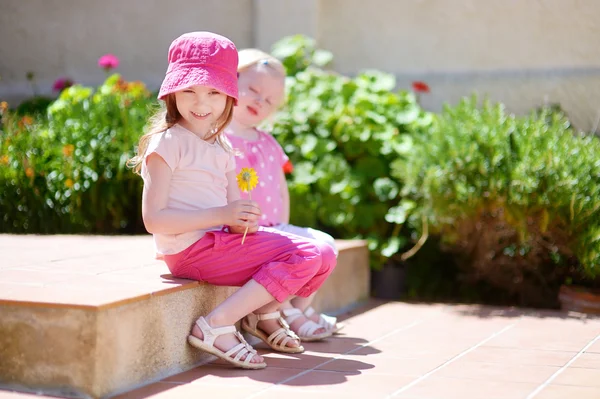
(261,92)
(200,108)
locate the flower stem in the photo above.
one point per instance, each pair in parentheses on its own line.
(246,231)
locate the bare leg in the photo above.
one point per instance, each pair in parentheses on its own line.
(303,303)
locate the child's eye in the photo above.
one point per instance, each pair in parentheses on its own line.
(268,101)
(214,92)
(188,91)
(253,90)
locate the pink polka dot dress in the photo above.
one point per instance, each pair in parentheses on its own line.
(267,158)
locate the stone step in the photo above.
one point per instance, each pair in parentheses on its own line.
(93,316)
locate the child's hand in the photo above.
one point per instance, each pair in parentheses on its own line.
(241,230)
(241,214)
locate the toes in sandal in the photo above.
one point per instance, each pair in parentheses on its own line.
(328,322)
(279,339)
(308,328)
(234,354)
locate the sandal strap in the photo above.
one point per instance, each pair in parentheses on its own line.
(328,322)
(308,328)
(211,333)
(239,336)
(279,338)
(243,348)
(291,314)
(239,348)
(309,311)
(268,316)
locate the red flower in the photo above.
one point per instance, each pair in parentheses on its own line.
(288,167)
(420,87)
(62,83)
(108,62)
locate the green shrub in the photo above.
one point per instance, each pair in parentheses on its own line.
(26,203)
(516,197)
(341,135)
(299,52)
(34,106)
(66,169)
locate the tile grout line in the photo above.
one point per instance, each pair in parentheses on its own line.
(441,366)
(337,357)
(563,368)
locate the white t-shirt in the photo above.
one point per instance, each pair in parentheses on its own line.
(198,180)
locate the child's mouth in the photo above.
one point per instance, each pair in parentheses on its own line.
(200,116)
(252,111)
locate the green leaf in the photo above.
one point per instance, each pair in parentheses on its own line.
(392,246)
(321,57)
(407,116)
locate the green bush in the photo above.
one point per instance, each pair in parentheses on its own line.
(66,169)
(34,106)
(341,135)
(516,197)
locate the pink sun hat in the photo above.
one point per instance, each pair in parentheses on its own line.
(201,58)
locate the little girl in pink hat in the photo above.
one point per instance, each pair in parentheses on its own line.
(191,204)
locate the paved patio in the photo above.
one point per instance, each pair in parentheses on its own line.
(417,351)
(387,349)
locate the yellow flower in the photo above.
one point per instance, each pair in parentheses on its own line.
(29,172)
(69,183)
(27,120)
(3,106)
(5,160)
(68,150)
(247,179)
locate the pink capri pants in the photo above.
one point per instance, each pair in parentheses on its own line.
(285,264)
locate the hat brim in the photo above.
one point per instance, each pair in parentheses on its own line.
(183,78)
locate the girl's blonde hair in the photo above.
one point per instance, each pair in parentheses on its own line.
(254,57)
(166,117)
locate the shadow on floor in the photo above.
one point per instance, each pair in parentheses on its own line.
(485,311)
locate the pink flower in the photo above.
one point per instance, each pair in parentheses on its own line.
(108,62)
(62,83)
(420,87)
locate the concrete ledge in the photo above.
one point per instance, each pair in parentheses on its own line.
(349,283)
(106,342)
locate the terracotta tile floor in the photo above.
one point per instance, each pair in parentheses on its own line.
(387,350)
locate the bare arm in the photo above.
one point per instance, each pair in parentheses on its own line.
(158,218)
(285,199)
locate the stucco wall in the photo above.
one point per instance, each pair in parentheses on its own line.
(519,52)
(522,53)
(56,38)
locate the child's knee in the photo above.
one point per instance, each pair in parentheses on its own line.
(328,258)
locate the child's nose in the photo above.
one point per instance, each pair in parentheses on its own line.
(202,98)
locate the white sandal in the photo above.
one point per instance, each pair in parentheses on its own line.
(306,330)
(279,339)
(328,322)
(207,345)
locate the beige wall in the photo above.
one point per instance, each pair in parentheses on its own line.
(55,38)
(521,52)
